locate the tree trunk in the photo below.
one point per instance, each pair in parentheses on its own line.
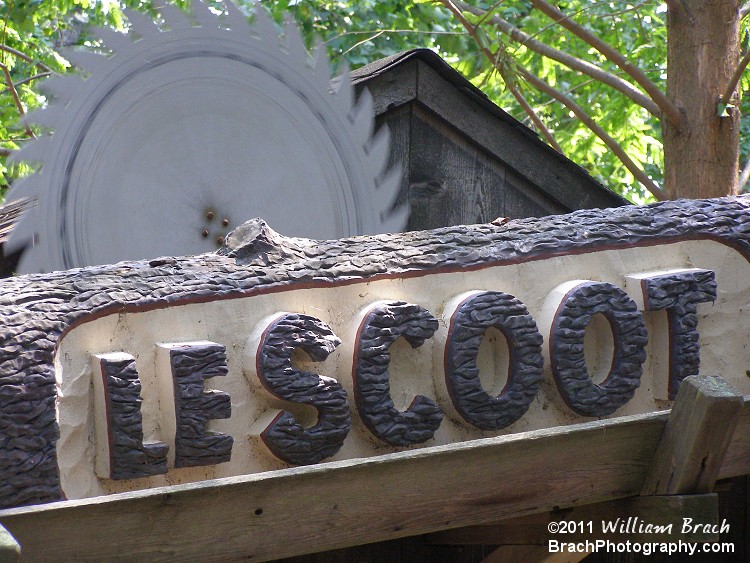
(701,154)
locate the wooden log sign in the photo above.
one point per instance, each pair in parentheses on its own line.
(279,351)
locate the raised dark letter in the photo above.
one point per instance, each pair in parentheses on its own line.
(567,359)
(678,292)
(473,316)
(382,325)
(285,437)
(190,364)
(119,421)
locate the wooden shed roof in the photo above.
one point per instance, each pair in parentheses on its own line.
(422,76)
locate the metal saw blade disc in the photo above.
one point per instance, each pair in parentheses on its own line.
(184,134)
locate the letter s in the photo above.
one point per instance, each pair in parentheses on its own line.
(286,438)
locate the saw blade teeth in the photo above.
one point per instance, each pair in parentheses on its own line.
(174,18)
(294,42)
(235,18)
(320,60)
(84,60)
(280,53)
(111,39)
(203,15)
(264,26)
(141,24)
(61,87)
(23,188)
(343,90)
(378,150)
(322,70)
(362,114)
(33,151)
(49,117)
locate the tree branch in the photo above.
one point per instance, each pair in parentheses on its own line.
(32,78)
(25,57)
(726,98)
(566,59)
(613,145)
(495,62)
(745,10)
(16,99)
(670,111)
(363,41)
(538,123)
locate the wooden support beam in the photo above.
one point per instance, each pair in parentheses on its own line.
(10,551)
(333,505)
(697,436)
(341,504)
(629,516)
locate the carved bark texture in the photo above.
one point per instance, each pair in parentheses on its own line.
(194,407)
(679,294)
(37,310)
(467,328)
(285,436)
(701,155)
(567,354)
(129,457)
(380,328)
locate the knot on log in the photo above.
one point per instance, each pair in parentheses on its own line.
(254,238)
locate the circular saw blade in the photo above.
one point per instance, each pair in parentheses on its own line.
(189,129)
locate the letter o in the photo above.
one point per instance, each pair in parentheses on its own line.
(567,359)
(471,319)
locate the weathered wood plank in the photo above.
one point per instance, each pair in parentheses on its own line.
(348,503)
(454,181)
(342,509)
(698,433)
(512,142)
(627,515)
(398,122)
(737,458)
(391,87)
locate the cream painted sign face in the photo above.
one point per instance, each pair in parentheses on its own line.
(280,352)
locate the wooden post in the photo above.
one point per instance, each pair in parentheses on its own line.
(696,438)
